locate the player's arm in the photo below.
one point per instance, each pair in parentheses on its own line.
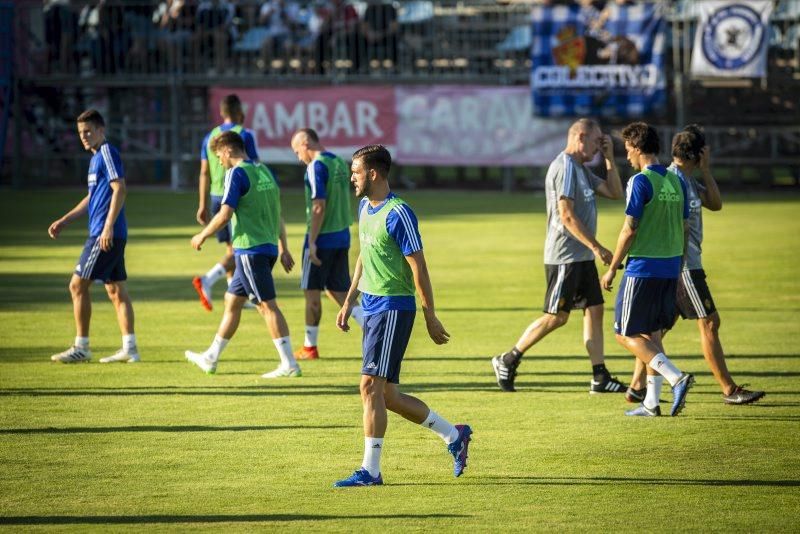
(118,193)
(624,242)
(711,197)
(422,282)
(350,299)
(283,249)
(612,186)
(317,216)
(219,221)
(204,182)
(578,230)
(79,210)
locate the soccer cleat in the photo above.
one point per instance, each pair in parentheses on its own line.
(679,391)
(201,361)
(742,396)
(609,385)
(122,356)
(505,374)
(307,353)
(360,477)
(72,355)
(644,411)
(459,449)
(282,372)
(203,291)
(635,395)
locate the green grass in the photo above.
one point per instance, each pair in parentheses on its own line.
(162,445)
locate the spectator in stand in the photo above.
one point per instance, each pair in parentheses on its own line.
(377,39)
(215,32)
(338,34)
(101,24)
(60,30)
(174,22)
(280,21)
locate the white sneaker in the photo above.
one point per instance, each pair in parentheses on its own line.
(282,372)
(72,355)
(201,361)
(131,356)
(248,305)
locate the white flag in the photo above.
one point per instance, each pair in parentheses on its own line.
(732,38)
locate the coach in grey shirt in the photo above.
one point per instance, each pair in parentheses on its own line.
(569,253)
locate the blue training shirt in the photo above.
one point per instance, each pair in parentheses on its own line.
(640,191)
(237,184)
(316,180)
(104,168)
(249,142)
(402,226)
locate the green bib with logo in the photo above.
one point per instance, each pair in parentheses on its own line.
(660,232)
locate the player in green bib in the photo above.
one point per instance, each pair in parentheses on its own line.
(327,242)
(653,238)
(251,203)
(211,181)
(390,267)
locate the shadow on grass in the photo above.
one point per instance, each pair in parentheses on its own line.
(171,428)
(611,481)
(215,518)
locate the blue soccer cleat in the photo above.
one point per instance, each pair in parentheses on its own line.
(644,411)
(360,477)
(459,449)
(679,392)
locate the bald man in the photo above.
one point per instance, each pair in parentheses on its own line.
(569,254)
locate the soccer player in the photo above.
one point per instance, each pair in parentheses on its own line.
(327,241)
(689,154)
(212,176)
(569,254)
(389,268)
(103,256)
(653,237)
(251,203)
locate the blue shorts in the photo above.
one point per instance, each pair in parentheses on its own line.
(224,234)
(333,274)
(644,305)
(386,336)
(253,277)
(96,264)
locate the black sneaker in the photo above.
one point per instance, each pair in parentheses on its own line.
(505,374)
(635,395)
(609,385)
(742,396)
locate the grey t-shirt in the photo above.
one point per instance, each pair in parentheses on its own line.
(568,178)
(695,244)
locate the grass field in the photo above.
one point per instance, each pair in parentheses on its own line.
(160,445)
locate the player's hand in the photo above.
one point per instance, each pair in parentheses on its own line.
(197,241)
(202,216)
(603,254)
(312,254)
(342,317)
(436,330)
(607,146)
(287,261)
(608,279)
(705,158)
(106,239)
(56,228)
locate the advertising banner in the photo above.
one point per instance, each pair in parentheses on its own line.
(732,39)
(607,62)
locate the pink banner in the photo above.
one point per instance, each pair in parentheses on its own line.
(474,125)
(346,118)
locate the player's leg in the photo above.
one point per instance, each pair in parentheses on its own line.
(121,300)
(713,353)
(602,381)
(224,268)
(313,316)
(337,282)
(79,286)
(637,388)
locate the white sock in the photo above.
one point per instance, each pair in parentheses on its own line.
(229,280)
(284,346)
(129,342)
(81,342)
(441,426)
(312,333)
(358,315)
(216,272)
(372,455)
(661,365)
(216,348)
(653,396)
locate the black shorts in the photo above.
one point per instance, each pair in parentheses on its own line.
(252,277)
(571,286)
(694,298)
(386,336)
(333,274)
(644,305)
(106,266)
